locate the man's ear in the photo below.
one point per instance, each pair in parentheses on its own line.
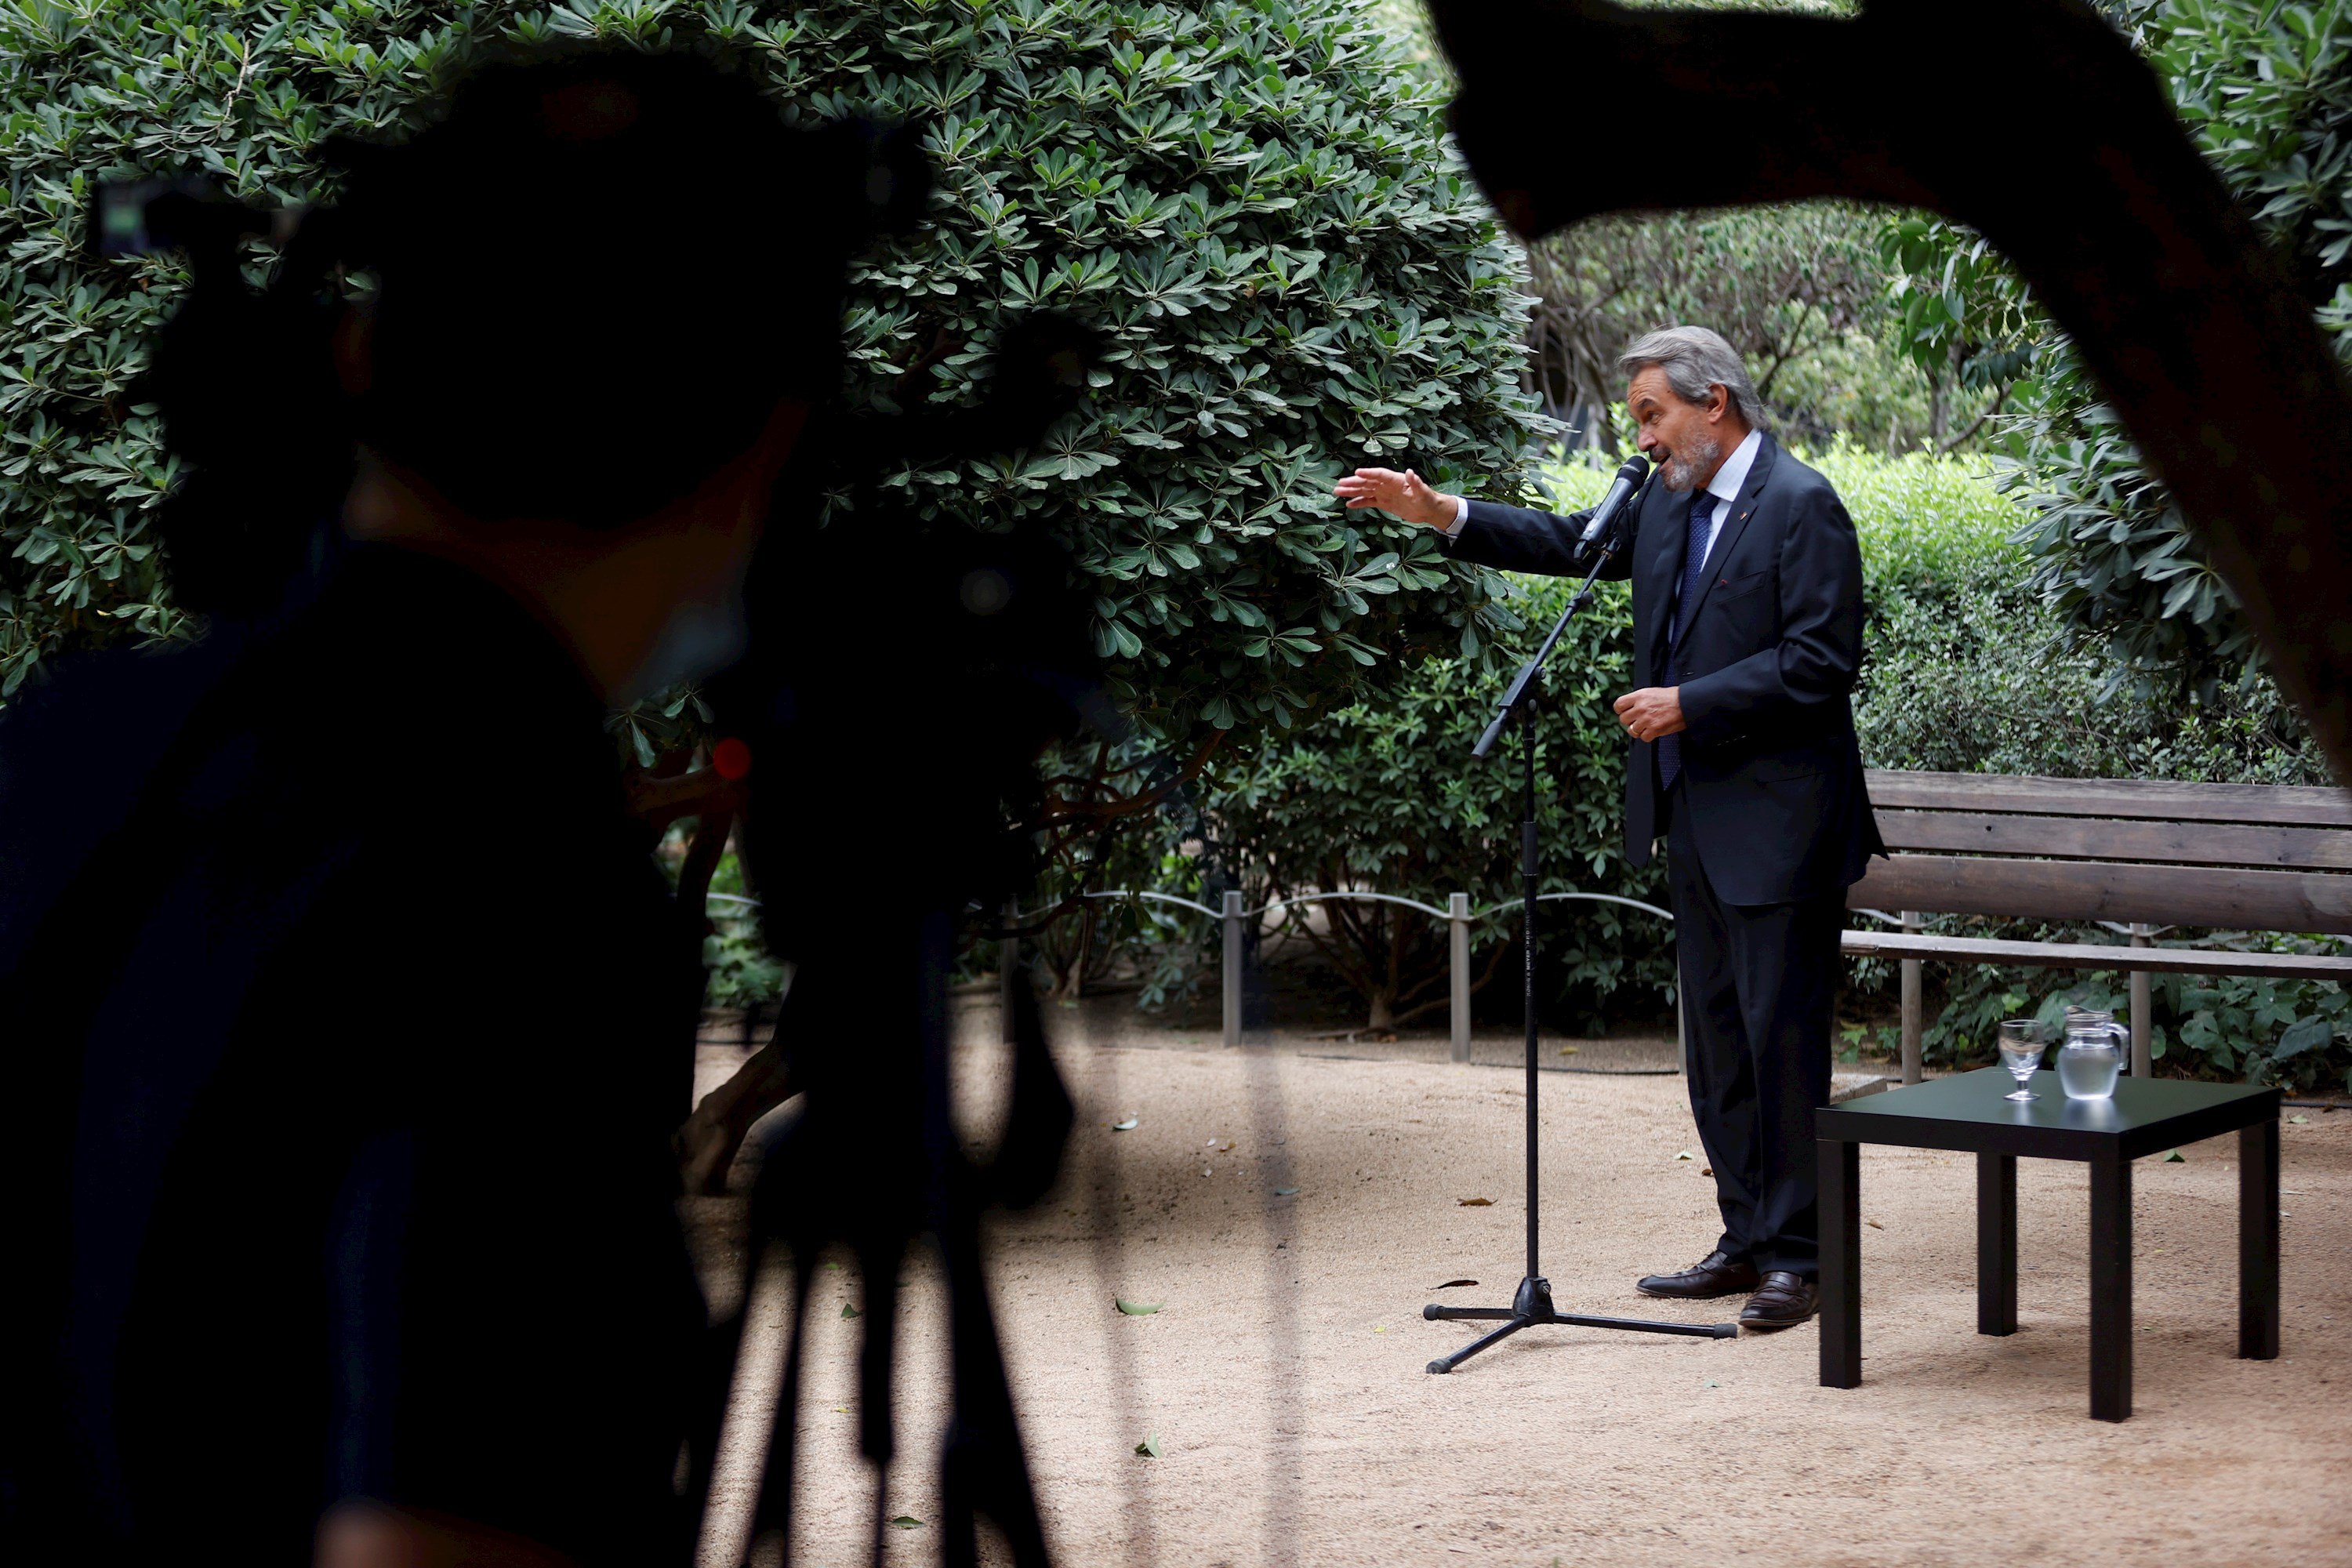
(354,345)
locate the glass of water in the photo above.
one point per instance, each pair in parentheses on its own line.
(2022,1040)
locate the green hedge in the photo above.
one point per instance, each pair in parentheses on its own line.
(1385,796)
(1254,202)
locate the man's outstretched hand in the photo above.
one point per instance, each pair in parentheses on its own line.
(1406,494)
(1653,712)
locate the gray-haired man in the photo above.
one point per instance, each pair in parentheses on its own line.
(1746,636)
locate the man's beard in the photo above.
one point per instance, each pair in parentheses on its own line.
(1684,468)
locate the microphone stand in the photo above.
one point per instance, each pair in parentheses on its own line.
(1532,1305)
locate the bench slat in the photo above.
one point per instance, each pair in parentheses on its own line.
(2095,890)
(2073,955)
(2289,806)
(2096,839)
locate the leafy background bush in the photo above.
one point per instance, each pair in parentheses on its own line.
(1251,200)
(1385,796)
(2265,90)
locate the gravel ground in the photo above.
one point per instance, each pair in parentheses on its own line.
(1282,1378)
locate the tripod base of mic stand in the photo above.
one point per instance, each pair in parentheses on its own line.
(1532,1308)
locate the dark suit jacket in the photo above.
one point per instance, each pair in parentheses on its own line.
(1770,768)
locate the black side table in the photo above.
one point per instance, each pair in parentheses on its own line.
(1967,1111)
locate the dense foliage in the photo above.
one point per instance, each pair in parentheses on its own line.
(2265,89)
(1799,289)
(1251,200)
(1385,796)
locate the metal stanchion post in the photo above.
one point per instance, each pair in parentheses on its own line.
(1912,1069)
(1232,919)
(2143,1022)
(1457,916)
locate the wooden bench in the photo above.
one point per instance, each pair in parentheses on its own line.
(2135,857)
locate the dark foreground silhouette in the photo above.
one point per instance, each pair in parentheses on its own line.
(352,1017)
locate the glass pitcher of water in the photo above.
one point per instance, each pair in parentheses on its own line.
(2092,1056)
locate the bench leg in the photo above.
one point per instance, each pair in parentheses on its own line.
(2111,1287)
(1996,1244)
(1841,1211)
(2258,1240)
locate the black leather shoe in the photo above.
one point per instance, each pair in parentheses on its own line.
(1717,1276)
(1782,1301)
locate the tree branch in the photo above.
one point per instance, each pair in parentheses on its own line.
(1977,423)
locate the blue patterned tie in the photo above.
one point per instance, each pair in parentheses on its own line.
(1702,518)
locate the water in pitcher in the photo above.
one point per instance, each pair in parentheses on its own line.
(2092,1059)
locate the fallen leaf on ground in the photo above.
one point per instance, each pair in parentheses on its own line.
(1150,1447)
(1126,1126)
(1568,1050)
(1379,1328)
(1874,1224)
(2298,1116)
(1286,1192)
(847,1310)
(831,1264)
(2175,1158)
(1712,1384)
(1706,1169)
(1473,1203)
(1206,1172)
(906,1522)
(1684,1156)
(1450,1284)
(1137,1309)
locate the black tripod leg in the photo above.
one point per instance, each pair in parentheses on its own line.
(1447,1363)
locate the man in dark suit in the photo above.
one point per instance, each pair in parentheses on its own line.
(1747,634)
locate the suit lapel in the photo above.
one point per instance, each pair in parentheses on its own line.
(1742,508)
(1658,558)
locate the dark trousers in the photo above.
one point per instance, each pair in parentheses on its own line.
(1758,984)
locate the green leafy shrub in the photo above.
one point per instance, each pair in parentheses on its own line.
(742,972)
(1385,796)
(2264,87)
(1252,201)
(1965,668)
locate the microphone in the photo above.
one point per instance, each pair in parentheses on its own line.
(1629,479)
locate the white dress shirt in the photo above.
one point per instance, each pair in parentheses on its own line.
(1729,475)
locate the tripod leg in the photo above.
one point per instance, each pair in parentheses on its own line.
(1448,1363)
